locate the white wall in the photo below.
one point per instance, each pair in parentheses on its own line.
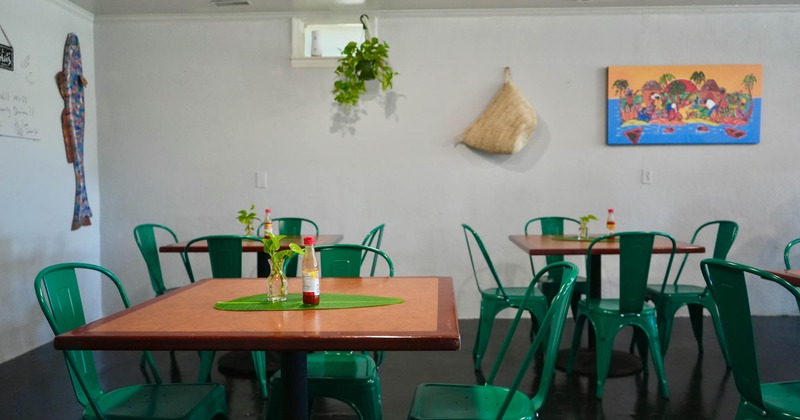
(191,108)
(37,184)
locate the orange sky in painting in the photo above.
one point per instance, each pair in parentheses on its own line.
(729,76)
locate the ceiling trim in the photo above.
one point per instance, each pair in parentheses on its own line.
(74,9)
(561,11)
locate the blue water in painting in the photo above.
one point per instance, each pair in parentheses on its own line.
(683,134)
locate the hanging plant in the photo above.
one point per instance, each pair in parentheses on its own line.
(360,63)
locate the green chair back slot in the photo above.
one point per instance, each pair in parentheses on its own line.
(727,283)
(59,295)
(344,260)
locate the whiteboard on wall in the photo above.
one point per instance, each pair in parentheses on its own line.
(18,119)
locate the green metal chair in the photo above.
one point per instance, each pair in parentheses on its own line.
(145,236)
(373,239)
(290,226)
(225,255)
(490,401)
(608,316)
(668,298)
(496,299)
(778,400)
(787,251)
(554,225)
(346,376)
(58,292)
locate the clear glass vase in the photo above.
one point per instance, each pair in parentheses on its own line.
(583,232)
(277,287)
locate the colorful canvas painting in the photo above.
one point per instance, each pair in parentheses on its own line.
(695,104)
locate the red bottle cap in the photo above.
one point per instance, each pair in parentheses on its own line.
(308,240)
(611,210)
(267,210)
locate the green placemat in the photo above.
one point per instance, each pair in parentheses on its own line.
(295,302)
(575,238)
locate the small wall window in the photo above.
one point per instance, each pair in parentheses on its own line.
(332,36)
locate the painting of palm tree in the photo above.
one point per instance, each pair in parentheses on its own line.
(684,104)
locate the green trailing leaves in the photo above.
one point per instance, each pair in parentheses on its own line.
(360,63)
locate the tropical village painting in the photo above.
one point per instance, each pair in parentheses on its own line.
(692,104)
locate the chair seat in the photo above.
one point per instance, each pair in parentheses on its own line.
(166,401)
(611,307)
(675,289)
(453,401)
(782,399)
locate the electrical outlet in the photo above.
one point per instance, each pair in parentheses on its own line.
(647,176)
(261,180)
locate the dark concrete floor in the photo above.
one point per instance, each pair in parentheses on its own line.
(36,385)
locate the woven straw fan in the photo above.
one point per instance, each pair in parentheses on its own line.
(506,125)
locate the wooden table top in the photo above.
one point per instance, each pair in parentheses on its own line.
(548,245)
(185,319)
(252,246)
(791,276)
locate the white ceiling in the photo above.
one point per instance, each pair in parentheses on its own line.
(148,7)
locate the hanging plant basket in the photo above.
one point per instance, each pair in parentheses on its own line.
(367,61)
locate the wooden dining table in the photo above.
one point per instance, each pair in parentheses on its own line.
(622,363)
(262,259)
(185,319)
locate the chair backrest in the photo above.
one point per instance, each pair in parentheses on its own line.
(470,233)
(727,283)
(145,236)
(635,254)
(344,260)
(289,226)
(550,225)
(787,251)
(373,239)
(726,234)
(549,334)
(224,253)
(59,296)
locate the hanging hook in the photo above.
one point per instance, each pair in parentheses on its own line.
(364,24)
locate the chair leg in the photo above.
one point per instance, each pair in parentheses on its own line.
(206,360)
(642,343)
(576,342)
(260,366)
(658,360)
(723,345)
(482,339)
(696,317)
(665,318)
(603,348)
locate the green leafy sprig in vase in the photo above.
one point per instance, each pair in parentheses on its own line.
(277,290)
(246,217)
(583,229)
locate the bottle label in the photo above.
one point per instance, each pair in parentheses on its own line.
(267,228)
(311,283)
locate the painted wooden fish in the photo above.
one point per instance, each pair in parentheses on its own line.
(71,83)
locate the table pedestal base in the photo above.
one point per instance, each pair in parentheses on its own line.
(622,363)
